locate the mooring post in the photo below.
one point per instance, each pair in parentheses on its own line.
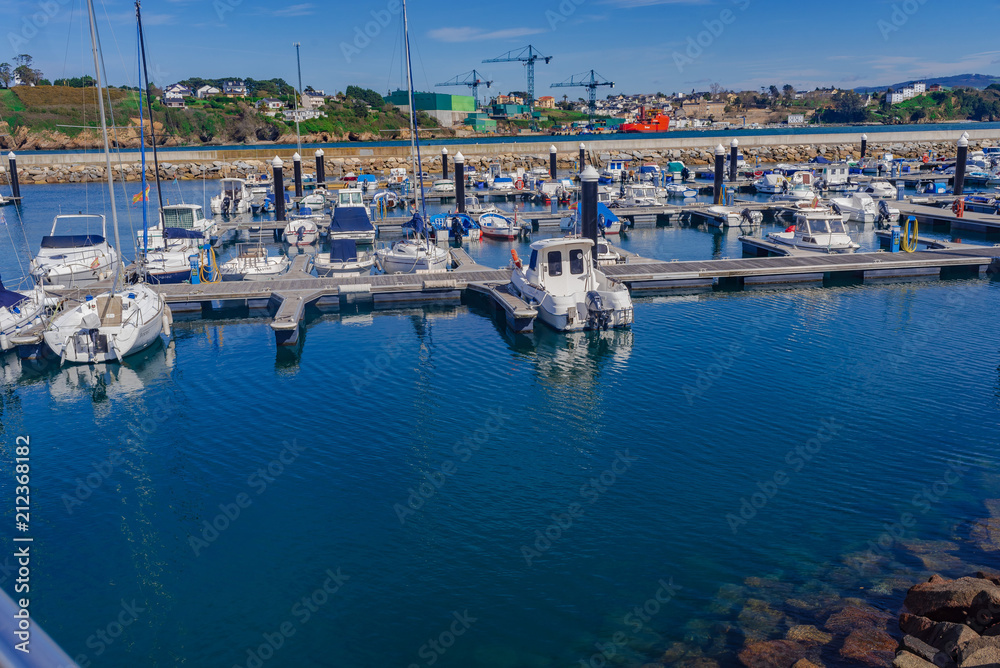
(588,207)
(552,162)
(297,172)
(279,189)
(720,157)
(15,185)
(444,162)
(320,169)
(583,157)
(733,152)
(963,156)
(864,146)
(460,182)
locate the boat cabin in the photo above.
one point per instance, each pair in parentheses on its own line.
(562,266)
(616,167)
(350,197)
(809,225)
(184,216)
(836,175)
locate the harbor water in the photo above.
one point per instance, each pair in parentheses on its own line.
(419,487)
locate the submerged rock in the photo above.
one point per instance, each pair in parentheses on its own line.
(758,620)
(857,616)
(948,600)
(772,654)
(871,646)
(807,633)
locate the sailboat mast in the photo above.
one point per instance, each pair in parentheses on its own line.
(414,142)
(104,130)
(149,106)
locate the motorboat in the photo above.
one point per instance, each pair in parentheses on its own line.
(570,293)
(504,183)
(344,258)
(110,326)
(351,222)
(728,216)
(74,260)
(252,263)
(820,232)
(649,172)
(768,184)
(414,254)
(301,230)
(386,199)
(607,255)
(859,207)
(456,227)
(474,207)
(233,200)
(443,186)
(17,311)
(680,190)
(186,217)
(498,226)
(614,171)
(315,201)
(638,195)
(881,189)
(349,197)
(607,222)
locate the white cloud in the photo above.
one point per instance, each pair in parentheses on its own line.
(467,34)
(304,9)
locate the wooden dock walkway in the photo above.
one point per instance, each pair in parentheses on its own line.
(986,223)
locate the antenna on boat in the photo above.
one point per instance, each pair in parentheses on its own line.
(414,140)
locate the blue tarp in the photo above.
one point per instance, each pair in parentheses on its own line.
(350,219)
(343,250)
(181,233)
(9,298)
(604,215)
(820,160)
(369,178)
(442,221)
(416,224)
(72,241)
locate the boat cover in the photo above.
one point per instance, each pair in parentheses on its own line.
(820,160)
(350,219)
(416,224)
(72,241)
(9,298)
(181,233)
(604,214)
(343,250)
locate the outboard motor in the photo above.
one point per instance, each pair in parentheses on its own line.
(883,213)
(300,233)
(456,229)
(836,208)
(751,218)
(598,317)
(226,203)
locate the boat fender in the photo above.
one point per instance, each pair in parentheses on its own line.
(515,258)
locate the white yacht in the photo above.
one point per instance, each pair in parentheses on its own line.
(252,263)
(18,310)
(344,258)
(569,292)
(351,222)
(234,198)
(443,186)
(474,207)
(74,260)
(881,189)
(315,201)
(821,232)
(859,207)
(413,254)
(769,184)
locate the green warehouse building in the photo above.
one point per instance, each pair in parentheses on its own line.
(448,110)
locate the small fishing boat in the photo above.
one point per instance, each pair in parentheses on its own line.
(820,232)
(728,216)
(498,226)
(638,195)
(252,263)
(344,258)
(560,280)
(881,189)
(315,201)
(859,207)
(457,227)
(233,200)
(474,207)
(680,190)
(505,183)
(74,260)
(443,186)
(301,230)
(351,222)
(768,184)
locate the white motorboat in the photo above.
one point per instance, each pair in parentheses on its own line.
(351,222)
(74,260)
(497,226)
(859,207)
(728,216)
(234,198)
(18,310)
(568,291)
(301,230)
(607,255)
(820,232)
(474,207)
(881,189)
(504,183)
(252,263)
(638,195)
(769,184)
(173,219)
(680,190)
(344,258)
(314,201)
(413,254)
(443,186)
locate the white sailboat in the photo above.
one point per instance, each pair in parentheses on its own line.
(17,311)
(74,260)
(118,323)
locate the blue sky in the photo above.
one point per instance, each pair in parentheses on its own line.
(642,45)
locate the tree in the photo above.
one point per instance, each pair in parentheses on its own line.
(887,101)
(365,95)
(6,74)
(789,91)
(774,91)
(24,72)
(716,89)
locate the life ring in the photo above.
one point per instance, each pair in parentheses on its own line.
(958,207)
(515,258)
(759,173)
(519,184)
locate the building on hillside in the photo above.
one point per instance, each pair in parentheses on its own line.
(179,89)
(796,119)
(545,102)
(895,97)
(271,104)
(481,122)
(234,88)
(935,88)
(313,99)
(206,92)
(173,100)
(508,99)
(448,110)
(302,114)
(919,88)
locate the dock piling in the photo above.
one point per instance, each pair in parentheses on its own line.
(460,182)
(320,169)
(588,208)
(279,189)
(733,152)
(719,165)
(15,185)
(583,156)
(552,162)
(864,146)
(444,162)
(297,172)
(963,156)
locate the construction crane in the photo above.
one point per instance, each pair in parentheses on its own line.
(528,55)
(589,81)
(471,79)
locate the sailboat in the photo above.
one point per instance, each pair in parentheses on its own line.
(17,311)
(416,253)
(121,322)
(74,260)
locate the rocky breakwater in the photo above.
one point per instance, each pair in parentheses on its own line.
(39,174)
(951,623)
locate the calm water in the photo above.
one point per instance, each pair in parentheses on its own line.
(633,451)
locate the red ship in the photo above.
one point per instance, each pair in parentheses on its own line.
(658,123)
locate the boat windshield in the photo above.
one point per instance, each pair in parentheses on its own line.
(350,199)
(837,227)
(576,261)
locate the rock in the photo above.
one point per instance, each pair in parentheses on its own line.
(809,634)
(805,663)
(758,620)
(853,617)
(985,656)
(947,600)
(907,660)
(926,652)
(772,654)
(871,646)
(976,645)
(950,637)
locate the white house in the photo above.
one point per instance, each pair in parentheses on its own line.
(271,103)
(179,89)
(919,88)
(234,88)
(173,100)
(207,92)
(796,119)
(313,99)
(896,97)
(302,114)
